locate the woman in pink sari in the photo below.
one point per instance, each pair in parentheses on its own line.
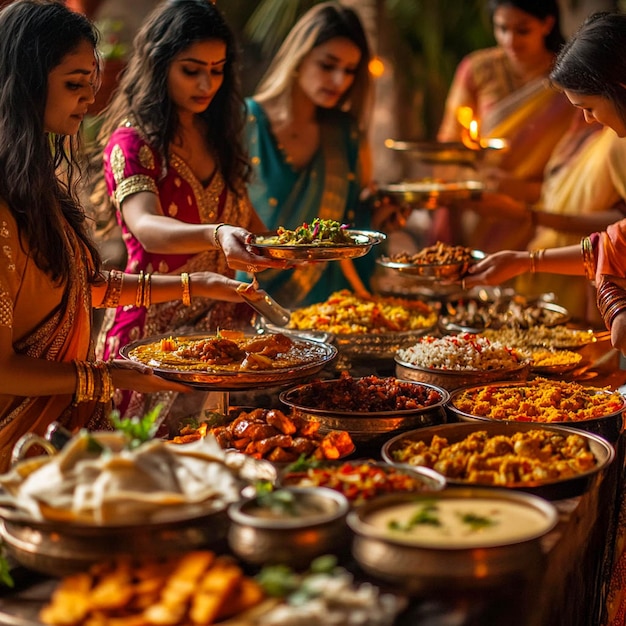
(49,267)
(176,172)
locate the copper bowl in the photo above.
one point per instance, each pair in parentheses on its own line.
(608,426)
(60,548)
(552,489)
(365,426)
(285,539)
(419,566)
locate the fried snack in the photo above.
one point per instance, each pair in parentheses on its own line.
(194,589)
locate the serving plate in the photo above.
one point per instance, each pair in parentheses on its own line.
(433,271)
(432,192)
(362,242)
(316,355)
(552,489)
(446,152)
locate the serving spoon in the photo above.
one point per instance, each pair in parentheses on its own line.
(263,303)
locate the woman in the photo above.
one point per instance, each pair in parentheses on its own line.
(306,138)
(175,168)
(49,268)
(506,91)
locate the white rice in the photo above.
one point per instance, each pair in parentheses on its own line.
(464,351)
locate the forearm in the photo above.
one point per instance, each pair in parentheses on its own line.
(26,376)
(564,260)
(576,224)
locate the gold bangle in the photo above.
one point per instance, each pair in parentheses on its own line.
(535,256)
(147,290)
(79,392)
(589,263)
(184,279)
(218,245)
(107,389)
(139,295)
(114,289)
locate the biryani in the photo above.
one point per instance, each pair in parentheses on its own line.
(539,400)
(554,337)
(344,313)
(465,351)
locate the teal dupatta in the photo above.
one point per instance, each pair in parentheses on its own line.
(328,187)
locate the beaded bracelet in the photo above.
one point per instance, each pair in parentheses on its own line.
(184,279)
(114,289)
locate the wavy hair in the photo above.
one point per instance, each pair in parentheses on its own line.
(541,9)
(39,171)
(143,95)
(318,25)
(593,63)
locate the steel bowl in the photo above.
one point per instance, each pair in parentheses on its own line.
(447,152)
(365,426)
(454,379)
(433,271)
(419,566)
(59,548)
(550,488)
(608,426)
(286,539)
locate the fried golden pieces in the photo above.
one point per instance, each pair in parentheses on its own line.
(193,589)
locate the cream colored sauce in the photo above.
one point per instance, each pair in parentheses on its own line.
(504,522)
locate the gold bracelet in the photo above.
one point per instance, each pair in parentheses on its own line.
(589,263)
(114,289)
(218,245)
(184,279)
(535,256)
(147,290)
(79,392)
(107,389)
(139,296)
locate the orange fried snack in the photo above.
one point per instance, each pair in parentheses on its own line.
(195,589)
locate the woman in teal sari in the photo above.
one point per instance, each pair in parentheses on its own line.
(306,139)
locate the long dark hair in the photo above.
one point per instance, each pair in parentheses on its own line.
(35,36)
(593,63)
(540,9)
(143,94)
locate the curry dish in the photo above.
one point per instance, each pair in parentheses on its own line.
(228,351)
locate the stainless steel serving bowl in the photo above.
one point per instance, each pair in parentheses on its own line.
(365,426)
(418,566)
(552,489)
(288,539)
(454,379)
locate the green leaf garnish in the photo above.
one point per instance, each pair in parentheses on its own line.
(476,522)
(425,515)
(137,429)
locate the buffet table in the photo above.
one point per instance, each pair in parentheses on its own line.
(569,589)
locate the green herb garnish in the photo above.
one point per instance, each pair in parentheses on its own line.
(5,569)
(476,522)
(425,515)
(137,429)
(279,501)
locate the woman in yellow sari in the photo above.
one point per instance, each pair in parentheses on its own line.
(506,89)
(49,268)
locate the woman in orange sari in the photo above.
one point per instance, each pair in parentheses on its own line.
(507,91)
(49,268)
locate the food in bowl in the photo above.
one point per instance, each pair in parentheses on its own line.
(449,523)
(437,254)
(359,481)
(345,313)
(368,394)
(538,400)
(319,232)
(525,457)
(464,351)
(554,337)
